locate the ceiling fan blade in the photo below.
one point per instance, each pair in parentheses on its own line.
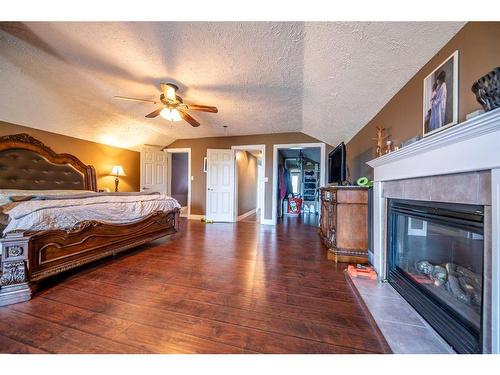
(189,119)
(135,99)
(202,108)
(154,113)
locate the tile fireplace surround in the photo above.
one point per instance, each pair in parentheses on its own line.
(459,165)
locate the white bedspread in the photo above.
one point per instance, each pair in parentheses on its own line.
(62,213)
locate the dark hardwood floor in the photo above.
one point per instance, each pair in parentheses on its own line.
(220,288)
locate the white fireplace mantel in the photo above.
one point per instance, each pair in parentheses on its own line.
(469,146)
(473,145)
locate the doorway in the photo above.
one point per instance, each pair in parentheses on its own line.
(249,173)
(298,173)
(179,177)
(229,198)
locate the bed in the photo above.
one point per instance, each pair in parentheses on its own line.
(53,220)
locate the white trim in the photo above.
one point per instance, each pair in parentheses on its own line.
(169,172)
(456,83)
(196,217)
(267,222)
(470,146)
(495,260)
(276,148)
(379,231)
(262,149)
(235,185)
(246,214)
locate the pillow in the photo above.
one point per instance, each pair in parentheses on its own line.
(7,195)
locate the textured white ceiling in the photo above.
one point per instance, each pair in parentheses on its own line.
(352,69)
(325,79)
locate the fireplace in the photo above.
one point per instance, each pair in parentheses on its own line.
(435,261)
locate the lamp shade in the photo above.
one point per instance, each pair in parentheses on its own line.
(118,171)
(166,114)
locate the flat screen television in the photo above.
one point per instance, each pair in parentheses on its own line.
(337,165)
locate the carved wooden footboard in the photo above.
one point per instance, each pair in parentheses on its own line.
(28,257)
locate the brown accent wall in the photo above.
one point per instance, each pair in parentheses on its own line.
(246,166)
(199,148)
(102,157)
(479,52)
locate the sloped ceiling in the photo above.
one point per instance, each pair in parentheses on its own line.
(325,79)
(353,69)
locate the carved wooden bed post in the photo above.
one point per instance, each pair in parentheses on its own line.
(14,285)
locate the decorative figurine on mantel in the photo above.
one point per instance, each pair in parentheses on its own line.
(388,147)
(381,137)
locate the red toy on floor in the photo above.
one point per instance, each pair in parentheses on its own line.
(294,206)
(361,270)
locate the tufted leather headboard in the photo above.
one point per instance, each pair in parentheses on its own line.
(28,164)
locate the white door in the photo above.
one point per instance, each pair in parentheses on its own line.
(220,185)
(153,169)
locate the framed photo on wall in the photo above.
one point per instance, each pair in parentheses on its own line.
(441,97)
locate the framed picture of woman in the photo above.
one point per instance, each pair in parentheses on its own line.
(441,97)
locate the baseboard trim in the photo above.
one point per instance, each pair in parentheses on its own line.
(196,217)
(267,222)
(264,222)
(246,214)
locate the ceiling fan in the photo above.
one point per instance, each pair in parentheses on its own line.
(172,107)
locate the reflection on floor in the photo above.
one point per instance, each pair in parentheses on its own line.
(220,288)
(251,219)
(304,218)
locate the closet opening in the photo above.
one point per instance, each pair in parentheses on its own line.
(179,177)
(299,177)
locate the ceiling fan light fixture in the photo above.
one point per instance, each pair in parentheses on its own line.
(171,93)
(170,114)
(176,116)
(172,107)
(166,113)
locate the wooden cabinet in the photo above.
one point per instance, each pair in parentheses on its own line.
(344,223)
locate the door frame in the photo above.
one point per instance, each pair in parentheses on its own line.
(322,169)
(262,149)
(170,151)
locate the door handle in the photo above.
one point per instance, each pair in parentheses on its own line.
(210,189)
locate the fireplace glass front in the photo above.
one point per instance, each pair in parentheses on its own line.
(436,263)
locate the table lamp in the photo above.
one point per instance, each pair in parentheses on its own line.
(117,171)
